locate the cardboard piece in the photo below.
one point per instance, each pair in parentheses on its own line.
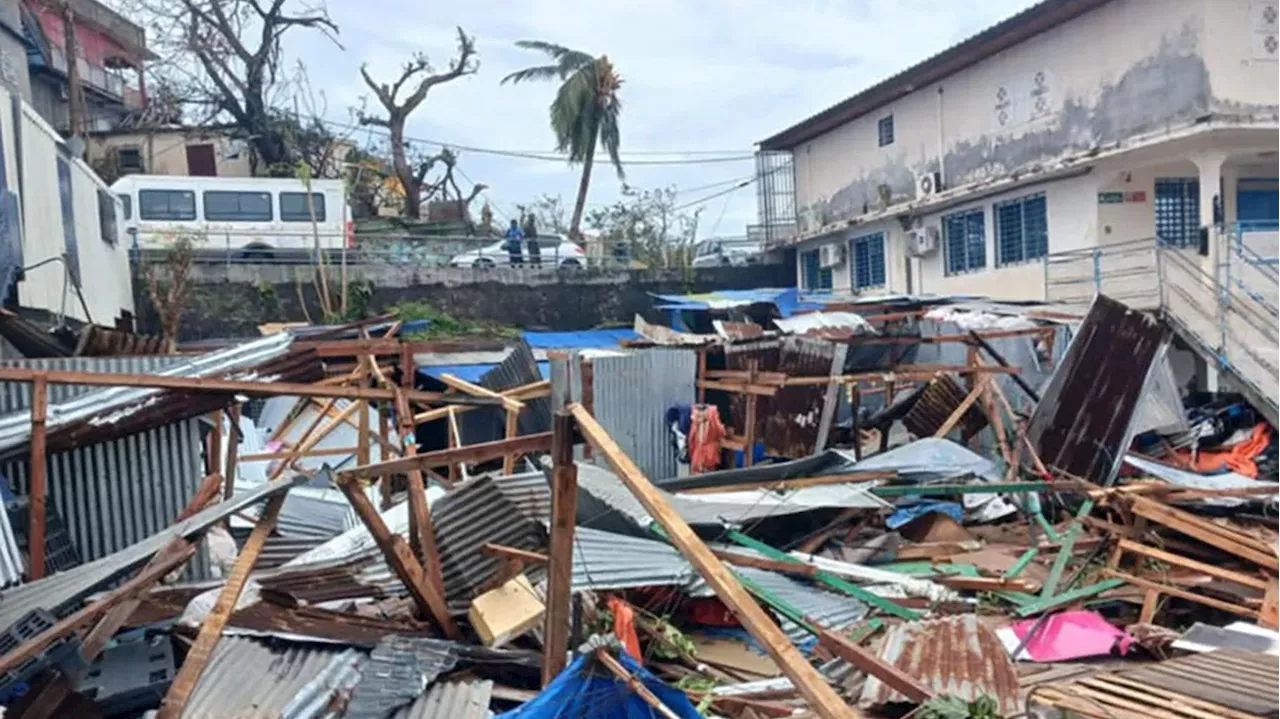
(502,614)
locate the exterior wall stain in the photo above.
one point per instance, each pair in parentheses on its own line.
(1165,89)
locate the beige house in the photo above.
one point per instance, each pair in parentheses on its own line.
(177,150)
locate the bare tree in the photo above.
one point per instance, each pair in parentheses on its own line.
(168,288)
(226,56)
(413,176)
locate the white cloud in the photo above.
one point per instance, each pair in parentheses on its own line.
(698,75)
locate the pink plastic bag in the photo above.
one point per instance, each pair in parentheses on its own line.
(1072,635)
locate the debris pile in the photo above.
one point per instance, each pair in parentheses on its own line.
(959,509)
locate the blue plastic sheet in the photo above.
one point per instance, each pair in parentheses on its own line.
(909,511)
(580,692)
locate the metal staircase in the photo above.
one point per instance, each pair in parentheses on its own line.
(1226,313)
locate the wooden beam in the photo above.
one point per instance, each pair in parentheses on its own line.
(213,384)
(1248,580)
(615,667)
(422,531)
(772,565)
(476,390)
(429,602)
(213,450)
(872,665)
(362,423)
(757,389)
(178,552)
(285,452)
(505,552)
(524,393)
(471,454)
(1205,531)
(36,537)
(564,514)
(184,684)
(987,584)
(961,408)
(115,617)
(512,431)
(204,496)
(233,451)
(822,698)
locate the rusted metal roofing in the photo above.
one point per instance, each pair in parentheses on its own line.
(1084,421)
(931,410)
(958,656)
(790,423)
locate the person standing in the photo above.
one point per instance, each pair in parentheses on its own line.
(531,238)
(514,236)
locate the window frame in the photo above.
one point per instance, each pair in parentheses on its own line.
(169,217)
(305,216)
(270,214)
(1182,210)
(108,220)
(140,167)
(967,244)
(126,204)
(885,129)
(819,275)
(1024,248)
(863,243)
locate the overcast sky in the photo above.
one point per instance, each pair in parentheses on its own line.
(699,75)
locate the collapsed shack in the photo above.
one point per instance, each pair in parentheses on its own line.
(1020,516)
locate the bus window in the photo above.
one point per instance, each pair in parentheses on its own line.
(293,206)
(126,203)
(237,206)
(166,205)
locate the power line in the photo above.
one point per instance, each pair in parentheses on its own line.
(534,155)
(714,195)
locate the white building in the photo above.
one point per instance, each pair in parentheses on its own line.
(1074,124)
(59,221)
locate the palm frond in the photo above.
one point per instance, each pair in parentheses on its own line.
(539,72)
(567,60)
(610,135)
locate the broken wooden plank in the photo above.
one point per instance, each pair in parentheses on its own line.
(1205,531)
(872,665)
(524,393)
(233,451)
(954,418)
(505,552)
(429,601)
(780,485)
(471,454)
(508,403)
(564,511)
(822,698)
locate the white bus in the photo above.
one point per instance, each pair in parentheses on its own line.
(243,216)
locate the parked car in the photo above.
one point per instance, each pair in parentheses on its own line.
(555,251)
(732,252)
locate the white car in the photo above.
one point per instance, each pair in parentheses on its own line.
(725,253)
(553,251)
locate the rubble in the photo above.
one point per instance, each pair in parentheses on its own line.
(884,532)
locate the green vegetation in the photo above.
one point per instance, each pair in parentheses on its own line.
(444,325)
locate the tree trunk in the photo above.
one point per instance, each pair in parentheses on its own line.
(575,228)
(404,173)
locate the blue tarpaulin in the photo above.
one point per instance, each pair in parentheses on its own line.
(583,339)
(909,511)
(473,372)
(581,692)
(786,299)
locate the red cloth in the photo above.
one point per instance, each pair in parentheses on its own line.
(705,433)
(1236,458)
(624,626)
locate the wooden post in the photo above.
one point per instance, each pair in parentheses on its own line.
(855,401)
(407,370)
(384,438)
(430,600)
(513,430)
(362,422)
(749,431)
(233,452)
(453,441)
(39,480)
(564,511)
(821,697)
(213,448)
(702,375)
(211,629)
(422,532)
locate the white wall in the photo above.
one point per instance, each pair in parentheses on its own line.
(1127,69)
(104,267)
(1242,71)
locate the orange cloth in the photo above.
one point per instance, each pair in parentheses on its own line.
(624,626)
(705,433)
(1236,458)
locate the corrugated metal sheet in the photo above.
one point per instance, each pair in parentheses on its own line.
(631,395)
(604,560)
(467,517)
(62,592)
(452,700)
(957,656)
(487,424)
(114,494)
(111,405)
(607,492)
(834,611)
(935,405)
(826,324)
(1244,681)
(16,396)
(1085,419)
(397,671)
(249,677)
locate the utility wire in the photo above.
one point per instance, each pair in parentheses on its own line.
(534,155)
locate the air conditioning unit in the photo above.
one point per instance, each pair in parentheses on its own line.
(922,241)
(830,255)
(928,184)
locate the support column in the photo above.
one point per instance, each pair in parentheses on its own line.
(1210,166)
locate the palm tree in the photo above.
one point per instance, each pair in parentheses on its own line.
(584,113)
